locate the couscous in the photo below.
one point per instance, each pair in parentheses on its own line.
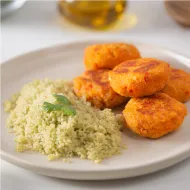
(90,133)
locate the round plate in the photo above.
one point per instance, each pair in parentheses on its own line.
(66,61)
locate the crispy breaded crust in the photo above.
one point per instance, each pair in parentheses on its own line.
(94,84)
(139,77)
(154,116)
(107,56)
(178,85)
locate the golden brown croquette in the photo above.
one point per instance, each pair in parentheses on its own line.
(107,56)
(178,85)
(154,116)
(139,77)
(94,84)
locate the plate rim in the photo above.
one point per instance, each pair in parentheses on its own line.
(87,40)
(7,157)
(13,159)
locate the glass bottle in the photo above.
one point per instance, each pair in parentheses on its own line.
(93,14)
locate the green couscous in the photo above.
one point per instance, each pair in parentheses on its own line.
(90,134)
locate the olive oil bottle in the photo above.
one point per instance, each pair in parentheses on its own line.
(94,14)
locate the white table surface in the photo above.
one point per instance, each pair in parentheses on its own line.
(37,25)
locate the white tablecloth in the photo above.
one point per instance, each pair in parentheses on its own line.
(37,25)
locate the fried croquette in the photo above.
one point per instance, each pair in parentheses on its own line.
(154,116)
(107,56)
(178,85)
(139,77)
(94,84)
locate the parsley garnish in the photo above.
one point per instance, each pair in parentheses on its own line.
(62,104)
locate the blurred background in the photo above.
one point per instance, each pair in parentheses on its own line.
(30,25)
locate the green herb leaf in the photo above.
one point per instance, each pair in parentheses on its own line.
(68,110)
(51,107)
(62,99)
(48,107)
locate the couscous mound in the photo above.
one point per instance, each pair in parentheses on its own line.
(90,134)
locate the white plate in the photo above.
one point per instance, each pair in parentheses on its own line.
(66,61)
